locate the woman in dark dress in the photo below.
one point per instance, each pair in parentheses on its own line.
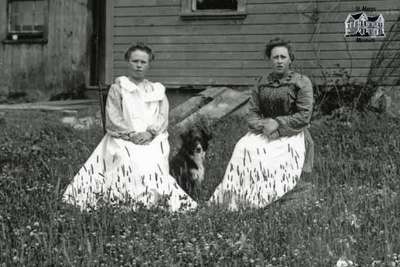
(268,161)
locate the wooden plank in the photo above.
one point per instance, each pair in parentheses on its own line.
(253,19)
(3,22)
(200,78)
(264,8)
(66,102)
(109,42)
(216,64)
(325,50)
(177,81)
(315,74)
(358,2)
(193,104)
(355,51)
(311,67)
(211,72)
(238,56)
(146,3)
(323,7)
(251,79)
(221,106)
(144,11)
(244,30)
(149,3)
(298,38)
(41,107)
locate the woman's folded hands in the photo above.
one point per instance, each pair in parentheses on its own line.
(267,127)
(138,138)
(141,138)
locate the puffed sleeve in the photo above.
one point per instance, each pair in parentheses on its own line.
(304,101)
(115,124)
(254,116)
(161,123)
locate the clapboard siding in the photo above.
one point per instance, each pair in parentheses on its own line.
(231,52)
(235,64)
(262,8)
(59,64)
(152,3)
(299,38)
(256,19)
(211,30)
(328,48)
(243,56)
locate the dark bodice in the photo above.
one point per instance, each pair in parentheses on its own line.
(289,101)
(277,97)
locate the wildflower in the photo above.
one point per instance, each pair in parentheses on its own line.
(344,262)
(354,221)
(376,263)
(296,252)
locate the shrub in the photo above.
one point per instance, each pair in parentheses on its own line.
(338,90)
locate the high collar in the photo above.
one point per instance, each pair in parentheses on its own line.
(280,78)
(130,85)
(137,83)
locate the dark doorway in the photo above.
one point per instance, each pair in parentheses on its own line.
(97,44)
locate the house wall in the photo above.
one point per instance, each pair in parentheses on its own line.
(55,66)
(231,52)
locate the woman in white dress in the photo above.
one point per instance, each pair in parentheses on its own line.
(130,165)
(268,161)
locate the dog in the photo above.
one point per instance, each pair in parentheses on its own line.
(187,166)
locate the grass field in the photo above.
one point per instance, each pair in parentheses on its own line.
(352,210)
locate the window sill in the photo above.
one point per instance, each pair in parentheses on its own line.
(26,41)
(199,15)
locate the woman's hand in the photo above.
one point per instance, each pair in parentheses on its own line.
(270,126)
(141,138)
(256,126)
(273,136)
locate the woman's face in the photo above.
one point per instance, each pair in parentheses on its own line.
(138,64)
(280,59)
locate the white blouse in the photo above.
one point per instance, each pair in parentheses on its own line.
(136,108)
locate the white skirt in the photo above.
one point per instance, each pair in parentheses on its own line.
(122,172)
(260,171)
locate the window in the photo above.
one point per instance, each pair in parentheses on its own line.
(27,20)
(212,4)
(213,9)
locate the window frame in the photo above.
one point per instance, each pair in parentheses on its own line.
(26,37)
(188,12)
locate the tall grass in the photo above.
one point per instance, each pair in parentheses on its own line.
(351,211)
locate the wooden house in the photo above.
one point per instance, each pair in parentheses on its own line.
(51,46)
(206,42)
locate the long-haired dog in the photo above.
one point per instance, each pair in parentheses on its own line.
(187,166)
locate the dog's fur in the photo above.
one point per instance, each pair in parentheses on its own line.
(187,166)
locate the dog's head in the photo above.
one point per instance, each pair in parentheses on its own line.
(195,141)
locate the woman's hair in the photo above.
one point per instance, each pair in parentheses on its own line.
(139,46)
(278,42)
